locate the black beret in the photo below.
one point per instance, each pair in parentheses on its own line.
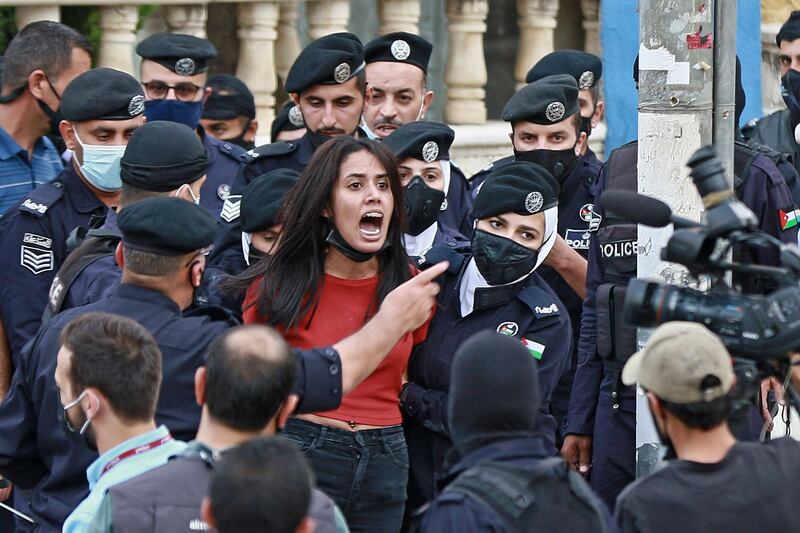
(163,155)
(423,140)
(166,226)
(399,47)
(263,198)
(183,54)
(519,187)
(102,94)
(289,118)
(586,68)
(790,29)
(230,98)
(331,59)
(546,101)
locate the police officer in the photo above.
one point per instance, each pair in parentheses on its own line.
(492,407)
(397,74)
(163,158)
(587,69)
(288,124)
(779,130)
(174,74)
(229,112)
(163,239)
(545,120)
(101,109)
(422,150)
(600,426)
(261,224)
(495,288)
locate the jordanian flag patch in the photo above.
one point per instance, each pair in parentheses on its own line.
(535,348)
(788,220)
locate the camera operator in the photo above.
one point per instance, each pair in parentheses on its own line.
(600,427)
(719,484)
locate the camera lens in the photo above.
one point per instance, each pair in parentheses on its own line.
(708,175)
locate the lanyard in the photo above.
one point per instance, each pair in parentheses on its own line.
(135,451)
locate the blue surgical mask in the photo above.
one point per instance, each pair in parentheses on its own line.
(174,110)
(100,165)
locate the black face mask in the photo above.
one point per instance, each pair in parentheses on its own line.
(501,260)
(254,255)
(665,440)
(422,204)
(586,125)
(54,116)
(335,239)
(790,92)
(558,162)
(239,141)
(88,436)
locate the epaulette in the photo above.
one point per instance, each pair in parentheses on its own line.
(457,244)
(41,199)
(271,150)
(437,254)
(623,147)
(234,151)
(540,302)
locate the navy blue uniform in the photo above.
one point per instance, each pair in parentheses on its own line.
(600,405)
(36,454)
(33,237)
(777,132)
(527,310)
(456,511)
(225,162)
(575,216)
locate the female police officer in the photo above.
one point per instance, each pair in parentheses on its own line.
(494,287)
(422,149)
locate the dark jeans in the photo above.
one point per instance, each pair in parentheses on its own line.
(365,472)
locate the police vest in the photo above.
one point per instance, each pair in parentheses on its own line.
(618,242)
(545,497)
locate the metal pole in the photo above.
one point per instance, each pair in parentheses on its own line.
(676,83)
(724,126)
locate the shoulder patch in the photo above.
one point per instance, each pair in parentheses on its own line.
(271,150)
(41,199)
(539,301)
(231,207)
(437,254)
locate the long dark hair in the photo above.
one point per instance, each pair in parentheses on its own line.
(292,276)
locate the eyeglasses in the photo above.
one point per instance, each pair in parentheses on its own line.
(158,90)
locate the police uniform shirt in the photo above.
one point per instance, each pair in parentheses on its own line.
(35,452)
(33,237)
(225,162)
(458,213)
(777,132)
(528,310)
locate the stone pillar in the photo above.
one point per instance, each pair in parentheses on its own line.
(287,47)
(591,26)
(537,20)
(465,72)
(189,19)
(327,16)
(119,35)
(399,15)
(24,15)
(258,31)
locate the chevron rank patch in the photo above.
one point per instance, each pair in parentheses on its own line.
(36,260)
(231,208)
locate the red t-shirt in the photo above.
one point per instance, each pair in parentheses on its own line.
(340,312)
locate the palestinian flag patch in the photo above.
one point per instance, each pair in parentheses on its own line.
(788,220)
(534,348)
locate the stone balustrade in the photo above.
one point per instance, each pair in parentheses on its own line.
(269,41)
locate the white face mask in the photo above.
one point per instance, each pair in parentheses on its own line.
(100,165)
(195,199)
